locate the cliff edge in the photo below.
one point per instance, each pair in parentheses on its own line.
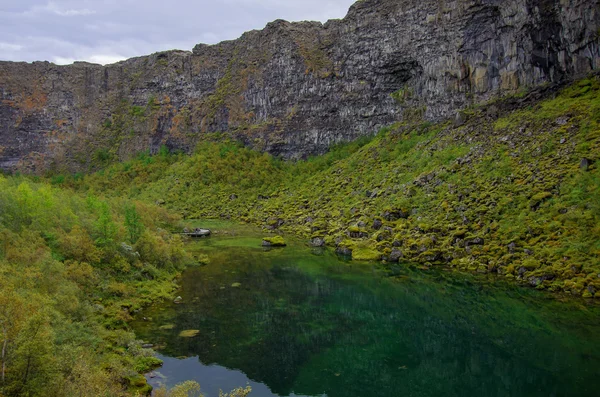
(294,89)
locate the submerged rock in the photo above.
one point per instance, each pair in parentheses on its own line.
(189,333)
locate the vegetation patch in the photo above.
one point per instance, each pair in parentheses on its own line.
(275,241)
(75,268)
(491,195)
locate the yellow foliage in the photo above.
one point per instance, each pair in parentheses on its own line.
(78,245)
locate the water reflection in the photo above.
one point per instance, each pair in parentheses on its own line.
(213,377)
(289,321)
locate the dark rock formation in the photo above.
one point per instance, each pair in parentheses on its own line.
(293,89)
(395,255)
(584,164)
(377,224)
(343,251)
(474,241)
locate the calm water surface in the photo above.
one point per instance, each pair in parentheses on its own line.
(296,321)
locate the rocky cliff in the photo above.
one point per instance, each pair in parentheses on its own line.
(293,89)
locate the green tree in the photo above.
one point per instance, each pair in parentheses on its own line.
(133,223)
(105,227)
(11,316)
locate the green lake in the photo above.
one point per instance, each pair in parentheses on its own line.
(298,321)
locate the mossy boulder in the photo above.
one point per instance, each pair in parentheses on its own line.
(345,247)
(362,250)
(431,255)
(395,255)
(357,232)
(275,241)
(146,364)
(377,224)
(343,251)
(537,199)
(365,254)
(393,214)
(531,264)
(138,385)
(317,241)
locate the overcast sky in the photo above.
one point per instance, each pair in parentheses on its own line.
(106,31)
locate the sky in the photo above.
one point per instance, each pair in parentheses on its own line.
(107,31)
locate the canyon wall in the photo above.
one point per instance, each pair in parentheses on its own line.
(294,89)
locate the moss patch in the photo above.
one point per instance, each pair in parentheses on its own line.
(275,241)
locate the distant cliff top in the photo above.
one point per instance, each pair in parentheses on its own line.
(293,89)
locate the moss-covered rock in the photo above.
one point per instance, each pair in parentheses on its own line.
(366,254)
(138,385)
(275,241)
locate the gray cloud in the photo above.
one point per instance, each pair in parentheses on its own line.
(106,31)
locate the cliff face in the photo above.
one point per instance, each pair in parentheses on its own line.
(293,89)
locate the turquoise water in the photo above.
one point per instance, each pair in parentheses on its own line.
(300,322)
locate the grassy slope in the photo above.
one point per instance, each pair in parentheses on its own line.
(73,270)
(502,193)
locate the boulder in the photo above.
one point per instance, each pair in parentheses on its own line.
(394,215)
(344,251)
(474,241)
(377,224)
(275,241)
(395,255)
(584,164)
(317,242)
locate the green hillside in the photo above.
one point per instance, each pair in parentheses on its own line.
(73,271)
(510,187)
